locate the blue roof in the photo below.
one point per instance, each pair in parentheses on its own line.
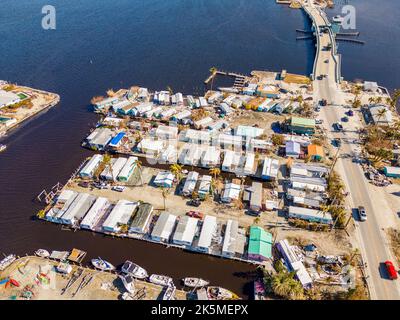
(117,138)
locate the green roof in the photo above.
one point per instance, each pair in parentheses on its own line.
(259,234)
(260,248)
(302,122)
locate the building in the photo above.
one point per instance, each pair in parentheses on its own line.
(8,98)
(99,138)
(231,161)
(151,147)
(185,231)
(116,166)
(392,172)
(119,216)
(228,141)
(308,183)
(371,86)
(310,215)
(163,228)
(190,155)
(91,166)
(78,208)
(164,179)
(190,183)
(210,157)
(169,154)
(231,192)
(218,125)
(294,263)
(234,240)
(225,109)
(203,123)
(208,230)
(248,132)
(268,91)
(63,202)
(256,196)
(128,169)
(260,244)
(302,125)
(315,152)
(204,186)
(117,140)
(185,114)
(95,213)
(292,149)
(270,169)
(106,103)
(167,132)
(140,221)
(258,145)
(196,137)
(381,114)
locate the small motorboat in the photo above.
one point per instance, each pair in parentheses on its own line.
(102,264)
(161,280)
(2,147)
(338,19)
(14,282)
(7,261)
(195,282)
(134,270)
(218,293)
(4,280)
(129,282)
(169,293)
(42,253)
(229,89)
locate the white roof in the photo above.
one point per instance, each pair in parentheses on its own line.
(151,145)
(91,165)
(127,168)
(229,139)
(164,177)
(247,131)
(231,234)
(78,208)
(205,184)
(183,114)
(197,135)
(387,117)
(164,226)
(120,214)
(207,230)
(231,191)
(7,98)
(186,229)
(270,167)
(210,156)
(116,167)
(392,170)
(249,163)
(203,122)
(190,182)
(95,212)
(311,213)
(168,131)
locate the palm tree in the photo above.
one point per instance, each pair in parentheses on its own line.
(138,164)
(256,220)
(169,89)
(215,172)
(381,113)
(213,71)
(356,103)
(371,100)
(378,100)
(176,169)
(165,193)
(108,163)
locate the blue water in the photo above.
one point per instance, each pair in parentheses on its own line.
(102,44)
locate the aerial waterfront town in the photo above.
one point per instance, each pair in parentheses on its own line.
(296,175)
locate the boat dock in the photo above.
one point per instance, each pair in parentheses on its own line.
(240,79)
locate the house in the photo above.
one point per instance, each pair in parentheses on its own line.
(260,244)
(203,102)
(234,240)
(190,100)
(190,183)
(228,141)
(95,213)
(91,166)
(106,103)
(167,132)
(99,138)
(254,104)
(256,196)
(119,216)
(308,183)
(164,179)
(123,107)
(150,146)
(248,132)
(190,155)
(392,172)
(250,89)
(141,220)
(143,94)
(78,208)
(315,152)
(62,203)
(163,228)
(127,169)
(112,121)
(268,91)
(225,109)
(185,231)
(249,167)
(208,230)
(210,157)
(310,215)
(231,192)
(292,149)
(168,113)
(196,136)
(169,154)
(204,186)
(294,263)
(259,146)
(270,169)
(179,117)
(231,161)
(117,140)
(302,125)
(116,166)
(218,125)
(141,109)
(381,114)
(370,86)
(8,98)
(215,96)
(203,123)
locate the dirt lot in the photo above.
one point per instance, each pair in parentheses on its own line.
(104,286)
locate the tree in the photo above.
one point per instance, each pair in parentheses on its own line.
(165,193)
(213,71)
(107,161)
(138,164)
(278,139)
(215,172)
(169,89)
(356,103)
(110,93)
(176,169)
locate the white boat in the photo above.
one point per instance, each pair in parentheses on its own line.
(102,264)
(134,270)
(64,267)
(195,282)
(218,293)
(2,147)
(228,89)
(161,280)
(7,261)
(169,293)
(42,253)
(129,282)
(338,19)
(127,296)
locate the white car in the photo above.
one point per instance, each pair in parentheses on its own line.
(118,188)
(319,121)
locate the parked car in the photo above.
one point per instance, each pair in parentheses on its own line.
(345,119)
(100,185)
(336,142)
(338,126)
(84,184)
(350,113)
(195,214)
(194,203)
(118,188)
(391,270)
(362,213)
(323,102)
(318,121)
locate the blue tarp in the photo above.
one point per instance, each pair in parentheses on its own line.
(117,139)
